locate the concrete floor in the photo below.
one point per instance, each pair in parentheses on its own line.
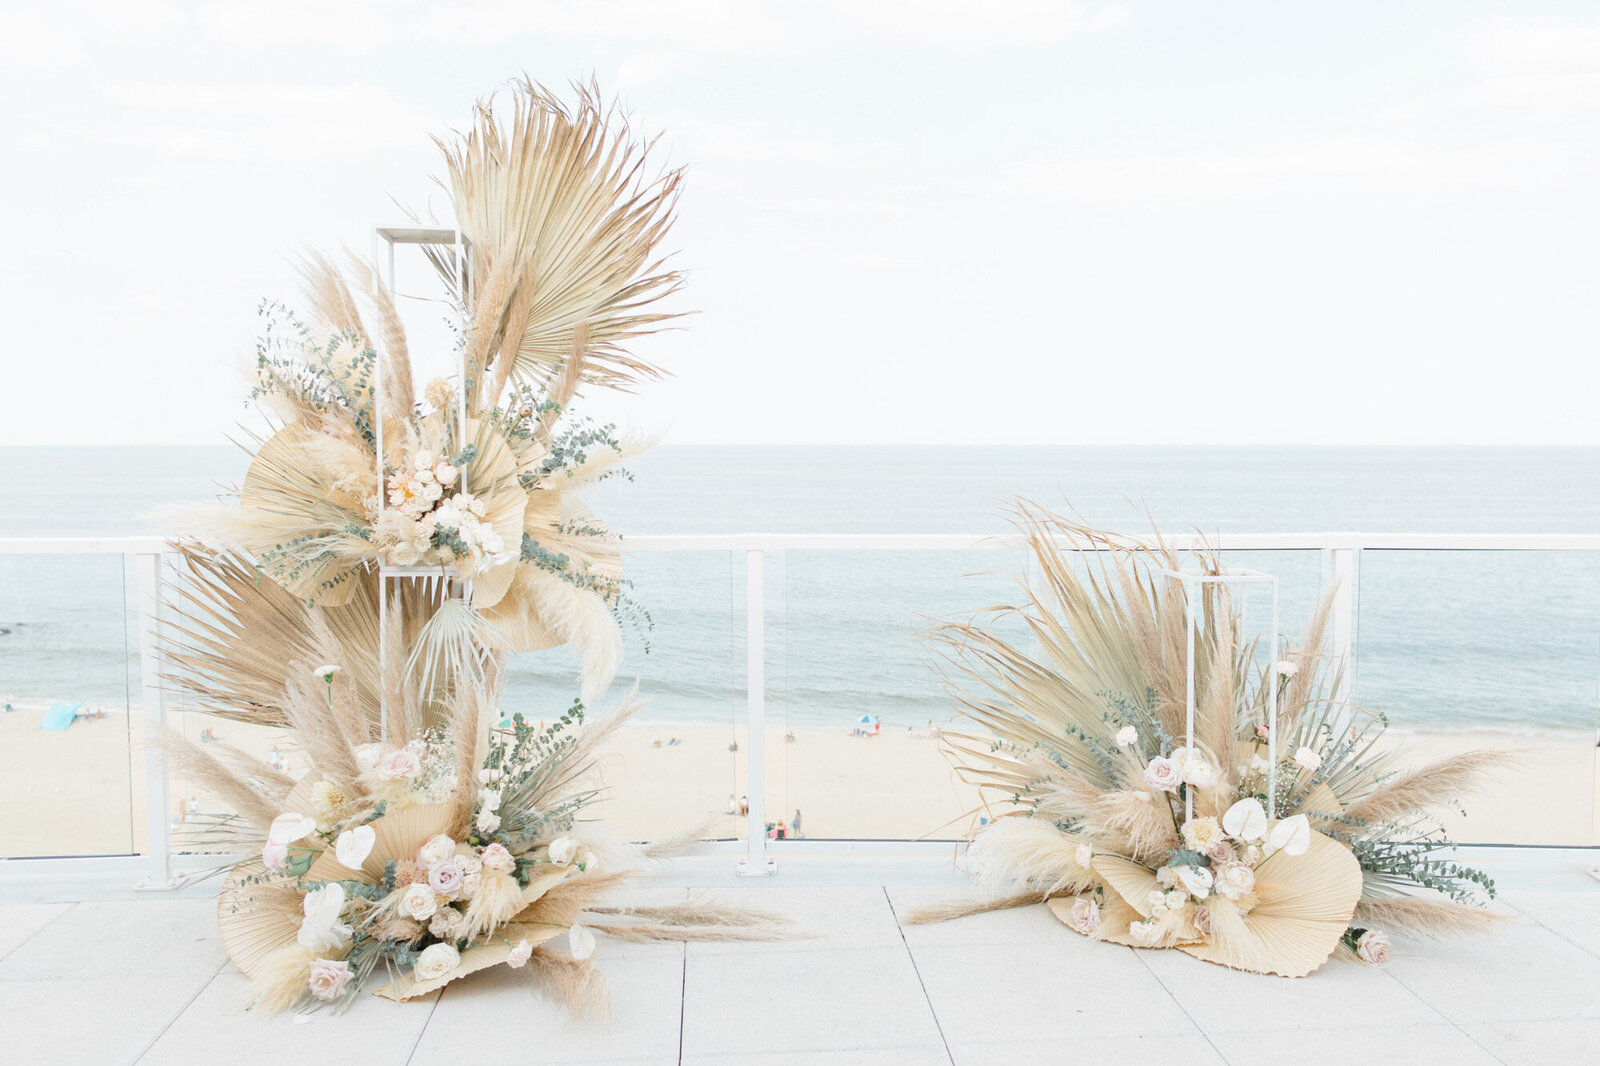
(146,981)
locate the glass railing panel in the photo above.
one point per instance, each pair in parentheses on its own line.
(850,659)
(70,714)
(1501,649)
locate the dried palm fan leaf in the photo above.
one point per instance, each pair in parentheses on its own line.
(558,204)
(1142,831)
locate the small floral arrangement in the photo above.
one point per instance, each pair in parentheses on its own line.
(1260,842)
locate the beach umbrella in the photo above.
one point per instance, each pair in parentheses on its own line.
(867,719)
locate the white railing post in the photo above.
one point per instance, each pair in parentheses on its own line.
(1342,565)
(755,863)
(153,718)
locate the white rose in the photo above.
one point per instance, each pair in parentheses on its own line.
(487,822)
(367,756)
(520,955)
(563,850)
(399,765)
(1235,880)
(1126,736)
(1162,775)
(1198,772)
(445,474)
(417,901)
(354,845)
(1158,901)
(1083,856)
(1196,879)
(489,799)
(1085,915)
(1307,758)
(580,942)
(1174,900)
(1246,820)
(436,850)
(436,961)
(425,458)
(287,828)
(1373,946)
(1292,835)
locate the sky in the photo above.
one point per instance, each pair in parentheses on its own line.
(904,223)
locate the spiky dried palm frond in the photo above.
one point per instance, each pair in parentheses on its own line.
(1426,788)
(563,221)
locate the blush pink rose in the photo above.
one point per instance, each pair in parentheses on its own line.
(496,857)
(275,856)
(1163,775)
(399,764)
(329,977)
(445,878)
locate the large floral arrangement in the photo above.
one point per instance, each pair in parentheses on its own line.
(479,474)
(1136,832)
(407,544)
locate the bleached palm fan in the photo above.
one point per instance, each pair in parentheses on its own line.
(1080,749)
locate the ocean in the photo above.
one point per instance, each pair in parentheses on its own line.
(1476,640)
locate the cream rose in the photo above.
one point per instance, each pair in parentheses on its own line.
(418,901)
(1198,772)
(436,961)
(437,849)
(520,955)
(563,850)
(367,756)
(1085,915)
(1234,881)
(1174,900)
(487,822)
(447,924)
(1307,758)
(1126,736)
(1162,775)
(329,977)
(1083,855)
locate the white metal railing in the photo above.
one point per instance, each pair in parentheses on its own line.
(1341,567)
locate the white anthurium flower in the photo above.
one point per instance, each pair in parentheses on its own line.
(354,845)
(1246,820)
(580,941)
(1292,835)
(563,850)
(287,828)
(1196,880)
(321,931)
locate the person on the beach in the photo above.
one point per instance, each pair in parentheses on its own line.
(744,806)
(795,825)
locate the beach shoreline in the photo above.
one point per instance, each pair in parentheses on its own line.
(81,791)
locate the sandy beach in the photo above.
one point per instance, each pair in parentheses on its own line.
(81,791)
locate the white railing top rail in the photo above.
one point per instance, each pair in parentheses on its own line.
(144,545)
